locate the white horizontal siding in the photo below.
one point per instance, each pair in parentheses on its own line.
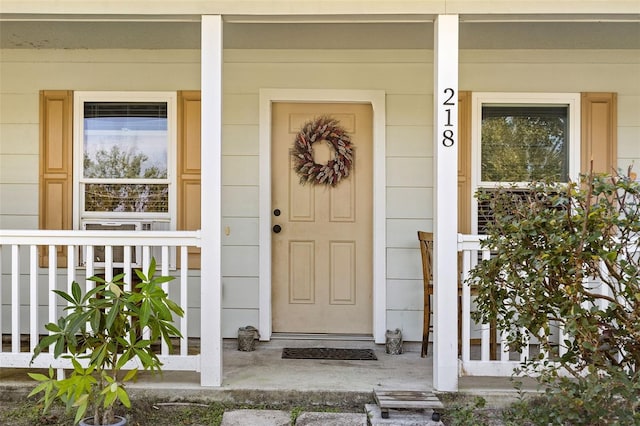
(405,76)
(8,221)
(240,261)
(410,172)
(240,109)
(409,203)
(240,139)
(540,56)
(18,138)
(240,231)
(284,56)
(135,71)
(629,108)
(233,319)
(409,141)
(404,264)
(409,110)
(408,321)
(401,233)
(405,295)
(18,199)
(629,127)
(240,170)
(629,148)
(240,293)
(240,201)
(19,108)
(19,168)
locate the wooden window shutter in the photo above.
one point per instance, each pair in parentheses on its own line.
(56,166)
(599,132)
(464,162)
(189,167)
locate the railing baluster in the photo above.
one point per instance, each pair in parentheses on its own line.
(165,286)
(33,296)
(1,286)
(88,267)
(466,307)
(108,263)
(51,275)
(146,262)
(128,276)
(15,298)
(562,348)
(504,350)
(71,263)
(526,352)
(486,329)
(184,269)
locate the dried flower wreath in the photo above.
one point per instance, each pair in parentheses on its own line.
(322,129)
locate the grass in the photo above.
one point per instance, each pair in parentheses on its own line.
(145,412)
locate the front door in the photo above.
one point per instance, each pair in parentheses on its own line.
(322,253)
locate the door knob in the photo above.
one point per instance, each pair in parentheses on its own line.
(277,229)
(276,212)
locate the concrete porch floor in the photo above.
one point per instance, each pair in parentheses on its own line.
(262,376)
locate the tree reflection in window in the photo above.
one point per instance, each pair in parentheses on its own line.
(523,143)
(125,141)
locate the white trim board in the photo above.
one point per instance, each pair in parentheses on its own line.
(377,100)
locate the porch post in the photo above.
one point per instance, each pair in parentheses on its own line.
(445,312)
(210,193)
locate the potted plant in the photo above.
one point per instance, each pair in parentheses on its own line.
(101,331)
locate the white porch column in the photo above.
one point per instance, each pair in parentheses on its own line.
(445,312)
(211,188)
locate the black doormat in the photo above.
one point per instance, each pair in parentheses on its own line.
(329,353)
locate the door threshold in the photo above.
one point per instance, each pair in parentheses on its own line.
(322,336)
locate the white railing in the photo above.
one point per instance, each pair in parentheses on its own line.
(483,349)
(27,300)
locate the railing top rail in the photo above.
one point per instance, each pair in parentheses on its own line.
(470,242)
(113,238)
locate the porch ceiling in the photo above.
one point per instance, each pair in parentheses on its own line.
(240,33)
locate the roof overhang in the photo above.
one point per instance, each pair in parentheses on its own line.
(309,24)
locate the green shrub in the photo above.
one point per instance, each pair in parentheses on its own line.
(551,246)
(101,331)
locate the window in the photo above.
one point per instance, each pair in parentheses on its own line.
(519,138)
(124,145)
(61,203)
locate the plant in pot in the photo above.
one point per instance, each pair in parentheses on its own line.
(101,331)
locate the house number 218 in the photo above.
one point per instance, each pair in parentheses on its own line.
(447,134)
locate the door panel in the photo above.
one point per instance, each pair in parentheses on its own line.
(322,257)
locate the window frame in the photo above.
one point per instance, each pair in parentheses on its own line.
(570,100)
(79,214)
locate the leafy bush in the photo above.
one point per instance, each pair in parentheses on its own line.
(101,332)
(566,262)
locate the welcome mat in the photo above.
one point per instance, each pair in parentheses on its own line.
(329,353)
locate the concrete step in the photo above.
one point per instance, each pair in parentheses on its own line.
(283,418)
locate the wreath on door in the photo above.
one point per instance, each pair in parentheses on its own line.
(325,129)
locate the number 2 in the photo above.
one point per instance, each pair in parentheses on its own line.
(451,93)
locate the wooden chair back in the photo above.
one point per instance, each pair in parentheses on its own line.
(426,251)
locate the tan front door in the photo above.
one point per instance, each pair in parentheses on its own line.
(322,256)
